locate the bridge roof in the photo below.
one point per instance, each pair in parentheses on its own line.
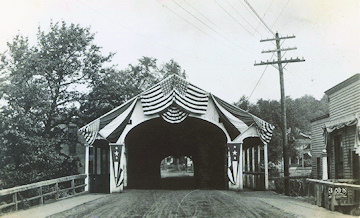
(174,99)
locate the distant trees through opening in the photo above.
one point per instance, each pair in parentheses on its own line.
(177,173)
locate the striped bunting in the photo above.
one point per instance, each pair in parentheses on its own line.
(111,125)
(90,131)
(174,90)
(174,115)
(117,155)
(265,129)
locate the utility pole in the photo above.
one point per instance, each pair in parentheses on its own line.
(280,67)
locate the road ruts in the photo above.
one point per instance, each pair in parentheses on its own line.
(170,203)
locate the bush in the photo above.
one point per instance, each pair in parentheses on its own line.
(298,186)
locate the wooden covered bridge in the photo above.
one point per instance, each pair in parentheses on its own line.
(228,146)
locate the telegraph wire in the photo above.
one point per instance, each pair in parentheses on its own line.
(172,11)
(267,10)
(206,25)
(280,13)
(129,29)
(206,17)
(216,26)
(243,17)
(234,19)
(257,83)
(257,15)
(201,21)
(143,36)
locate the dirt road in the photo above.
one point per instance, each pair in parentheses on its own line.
(173,203)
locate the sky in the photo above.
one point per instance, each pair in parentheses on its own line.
(216,42)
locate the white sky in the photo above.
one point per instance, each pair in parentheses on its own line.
(222,62)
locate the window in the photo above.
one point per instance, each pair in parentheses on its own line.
(339,157)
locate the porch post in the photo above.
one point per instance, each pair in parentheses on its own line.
(258,177)
(87,169)
(253,166)
(266,167)
(259,158)
(240,170)
(248,167)
(112,176)
(244,165)
(324,166)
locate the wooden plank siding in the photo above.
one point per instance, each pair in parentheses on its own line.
(345,101)
(317,142)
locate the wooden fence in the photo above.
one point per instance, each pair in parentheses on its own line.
(331,193)
(25,196)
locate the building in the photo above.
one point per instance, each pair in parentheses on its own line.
(336,146)
(318,147)
(342,130)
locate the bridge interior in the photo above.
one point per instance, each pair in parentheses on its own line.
(150,142)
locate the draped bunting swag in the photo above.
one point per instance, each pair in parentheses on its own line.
(174,99)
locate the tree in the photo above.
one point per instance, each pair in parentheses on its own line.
(41,85)
(299,113)
(115,87)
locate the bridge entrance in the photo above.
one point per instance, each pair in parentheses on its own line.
(149,143)
(175,118)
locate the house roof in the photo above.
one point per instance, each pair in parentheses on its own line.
(319,117)
(343,84)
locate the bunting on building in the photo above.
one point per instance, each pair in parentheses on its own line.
(117,155)
(174,114)
(233,160)
(264,129)
(109,126)
(174,90)
(236,121)
(174,99)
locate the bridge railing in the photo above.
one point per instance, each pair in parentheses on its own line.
(25,196)
(332,193)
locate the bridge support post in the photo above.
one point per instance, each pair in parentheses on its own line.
(86,188)
(266,167)
(240,170)
(253,167)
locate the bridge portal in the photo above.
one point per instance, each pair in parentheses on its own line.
(149,143)
(176,118)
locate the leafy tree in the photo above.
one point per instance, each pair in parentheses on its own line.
(41,85)
(299,112)
(115,87)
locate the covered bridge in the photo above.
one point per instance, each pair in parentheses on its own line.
(228,146)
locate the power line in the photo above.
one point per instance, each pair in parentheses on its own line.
(267,10)
(125,27)
(172,11)
(206,17)
(280,13)
(203,22)
(145,37)
(257,15)
(234,18)
(207,25)
(242,17)
(259,79)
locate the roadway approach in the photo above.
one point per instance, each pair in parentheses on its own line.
(180,203)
